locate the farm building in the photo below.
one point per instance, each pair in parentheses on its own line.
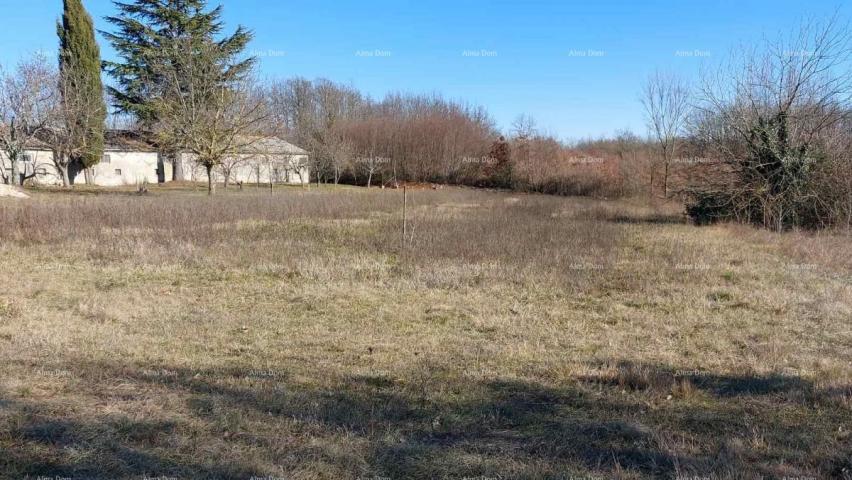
(130,159)
(263,160)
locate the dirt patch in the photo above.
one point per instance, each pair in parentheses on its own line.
(10,191)
(415,186)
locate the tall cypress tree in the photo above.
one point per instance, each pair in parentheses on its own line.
(80,66)
(145,39)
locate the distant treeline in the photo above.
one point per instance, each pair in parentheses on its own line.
(427,138)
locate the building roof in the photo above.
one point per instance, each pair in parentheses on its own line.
(32,143)
(114,141)
(134,141)
(127,141)
(272,146)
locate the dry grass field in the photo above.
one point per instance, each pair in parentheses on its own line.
(288,335)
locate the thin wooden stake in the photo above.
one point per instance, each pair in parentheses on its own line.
(404,215)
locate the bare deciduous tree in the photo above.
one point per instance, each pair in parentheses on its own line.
(212,120)
(665,99)
(27,97)
(227,165)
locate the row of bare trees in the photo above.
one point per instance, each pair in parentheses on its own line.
(356,139)
(426,138)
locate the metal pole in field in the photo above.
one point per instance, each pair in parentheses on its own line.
(404,213)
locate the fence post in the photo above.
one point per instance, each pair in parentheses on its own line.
(404,215)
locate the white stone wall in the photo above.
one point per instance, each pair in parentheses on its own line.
(132,168)
(249,169)
(123,168)
(41,161)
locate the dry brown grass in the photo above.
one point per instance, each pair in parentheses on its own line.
(516,337)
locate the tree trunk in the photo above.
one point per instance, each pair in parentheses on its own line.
(177,167)
(227,175)
(66,180)
(210,185)
(369,179)
(15,175)
(651,185)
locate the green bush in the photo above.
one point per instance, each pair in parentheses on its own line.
(705,208)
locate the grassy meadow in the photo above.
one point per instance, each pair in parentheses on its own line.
(290,335)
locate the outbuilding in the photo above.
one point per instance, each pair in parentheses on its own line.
(130,159)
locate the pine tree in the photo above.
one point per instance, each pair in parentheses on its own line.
(80,68)
(148,35)
(146,32)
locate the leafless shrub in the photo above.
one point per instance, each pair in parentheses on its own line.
(771,116)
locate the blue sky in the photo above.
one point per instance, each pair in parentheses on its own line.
(577,67)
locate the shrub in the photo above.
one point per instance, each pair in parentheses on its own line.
(705,208)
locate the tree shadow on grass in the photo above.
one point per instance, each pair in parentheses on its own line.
(611,426)
(641,376)
(44,446)
(787,418)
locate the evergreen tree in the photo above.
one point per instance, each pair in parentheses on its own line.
(151,37)
(145,36)
(80,68)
